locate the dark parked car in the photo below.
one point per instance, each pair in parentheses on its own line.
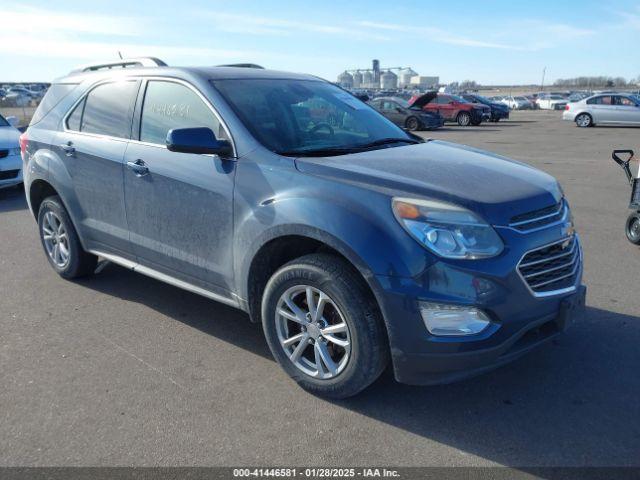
(411,117)
(499,111)
(454,108)
(353,243)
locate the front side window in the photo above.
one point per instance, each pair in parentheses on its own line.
(169,105)
(625,101)
(107,109)
(305,116)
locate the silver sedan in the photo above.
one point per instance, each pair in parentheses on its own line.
(605,109)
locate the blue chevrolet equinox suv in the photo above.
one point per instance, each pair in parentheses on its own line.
(355,244)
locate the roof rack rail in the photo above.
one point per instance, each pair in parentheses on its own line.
(122,63)
(243,65)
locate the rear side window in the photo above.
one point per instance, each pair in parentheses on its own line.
(108,109)
(169,105)
(75,119)
(54,95)
(606,100)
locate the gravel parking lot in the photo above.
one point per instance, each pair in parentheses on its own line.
(120,369)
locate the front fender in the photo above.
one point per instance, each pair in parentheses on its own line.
(351,219)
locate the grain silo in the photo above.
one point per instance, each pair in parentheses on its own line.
(357,79)
(389,80)
(404,78)
(345,80)
(367,80)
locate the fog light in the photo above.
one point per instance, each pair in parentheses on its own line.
(447,320)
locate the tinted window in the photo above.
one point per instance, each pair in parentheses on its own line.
(169,105)
(606,100)
(389,106)
(53,96)
(108,109)
(625,101)
(74,120)
(443,100)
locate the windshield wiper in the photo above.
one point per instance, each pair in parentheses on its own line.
(387,141)
(331,151)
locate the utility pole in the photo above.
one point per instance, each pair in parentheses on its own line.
(544,70)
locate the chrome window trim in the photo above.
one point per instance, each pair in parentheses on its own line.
(66,116)
(560,291)
(140,78)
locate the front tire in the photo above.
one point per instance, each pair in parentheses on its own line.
(412,124)
(632,228)
(584,120)
(464,119)
(323,327)
(60,241)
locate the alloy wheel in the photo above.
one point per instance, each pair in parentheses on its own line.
(313,332)
(56,239)
(583,120)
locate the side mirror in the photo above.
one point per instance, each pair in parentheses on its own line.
(199,140)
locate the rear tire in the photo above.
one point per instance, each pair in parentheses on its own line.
(296,335)
(60,241)
(463,119)
(584,120)
(632,228)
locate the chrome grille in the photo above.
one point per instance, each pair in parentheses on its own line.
(539,218)
(551,268)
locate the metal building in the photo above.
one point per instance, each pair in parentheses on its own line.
(404,78)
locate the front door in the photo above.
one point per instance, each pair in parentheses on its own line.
(627,110)
(179,205)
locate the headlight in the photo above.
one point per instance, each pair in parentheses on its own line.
(446,229)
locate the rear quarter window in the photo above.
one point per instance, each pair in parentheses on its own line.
(56,93)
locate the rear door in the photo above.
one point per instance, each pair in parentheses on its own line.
(92,146)
(627,110)
(445,107)
(603,109)
(179,205)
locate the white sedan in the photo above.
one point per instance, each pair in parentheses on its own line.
(10,159)
(551,102)
(610,109)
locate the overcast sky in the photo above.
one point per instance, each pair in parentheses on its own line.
(492,42)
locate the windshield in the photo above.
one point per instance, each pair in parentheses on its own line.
(3,122)
(299,116)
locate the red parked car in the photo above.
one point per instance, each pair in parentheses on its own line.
(456,109)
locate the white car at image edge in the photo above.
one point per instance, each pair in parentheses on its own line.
(10,158)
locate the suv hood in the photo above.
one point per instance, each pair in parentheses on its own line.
(495,187)
(9,137)
(422,100)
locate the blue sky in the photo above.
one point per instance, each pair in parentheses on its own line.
(492,42)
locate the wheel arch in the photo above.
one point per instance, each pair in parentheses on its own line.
(280,247)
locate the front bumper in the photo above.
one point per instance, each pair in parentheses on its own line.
(520,321)
(499,114)
(10,171)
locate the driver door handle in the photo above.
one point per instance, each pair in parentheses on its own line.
(68,149)
(138,167)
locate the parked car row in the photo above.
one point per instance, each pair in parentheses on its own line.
(431,110)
